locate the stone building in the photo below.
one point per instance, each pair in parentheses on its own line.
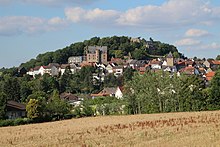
(96,54)
(170,59)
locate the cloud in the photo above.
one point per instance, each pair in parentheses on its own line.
(187,42)
(15,25)
(213,45)
(96,16)
(196,33)
(170,14)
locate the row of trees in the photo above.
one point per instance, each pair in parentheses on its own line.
(161,92)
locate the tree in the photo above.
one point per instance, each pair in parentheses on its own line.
(110,80)
(57,107)
(218,57)
(25,91)
(34,109)
(138,54)
(128,74)
(214,101)
(11,88)
(176,55)
(37,95)
(2,105)
(162,92)
(119,54)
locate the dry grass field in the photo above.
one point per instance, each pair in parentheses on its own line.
(171,129)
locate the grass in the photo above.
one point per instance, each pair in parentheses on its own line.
(171,129)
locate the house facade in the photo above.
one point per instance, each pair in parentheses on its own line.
(75,59)
(15,110)
(109,91)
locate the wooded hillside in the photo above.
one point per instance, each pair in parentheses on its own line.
(117,47)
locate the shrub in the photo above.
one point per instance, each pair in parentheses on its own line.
(77,112)
(8,122)
(19,121)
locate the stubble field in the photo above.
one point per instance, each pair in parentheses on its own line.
(171,129)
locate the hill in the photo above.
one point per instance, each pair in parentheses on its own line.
(118,47)
(171,129)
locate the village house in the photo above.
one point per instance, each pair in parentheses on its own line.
(110,91)
(51,69)
(213,64)
(136,64)
(71,98)
(155,64)
(75,59)
(209,76)
(72,67)
(138,40)
(109,67)
(15,110)
(118,70)
(190,71)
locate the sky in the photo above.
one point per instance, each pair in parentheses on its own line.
(32,27)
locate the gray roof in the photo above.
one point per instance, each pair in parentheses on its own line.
(92,49)
(170,55)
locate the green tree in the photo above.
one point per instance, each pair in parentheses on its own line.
(214,101)
(176,54)
(11,88)
(119,54)
(25,91)
(139,54)
(56,106)
(218,57)
(2,105)
(162,92)
(110,81)
(128,74)
(34,109)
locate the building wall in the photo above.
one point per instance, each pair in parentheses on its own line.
(118,93)
(15,114)
(170,61)
(96,54)
(75,59)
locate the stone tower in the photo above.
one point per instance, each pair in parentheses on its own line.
(170,60)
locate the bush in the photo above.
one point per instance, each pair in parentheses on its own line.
(15,122)
(87,111)
(8,122)
(77,112)
(19,121)
(68,116)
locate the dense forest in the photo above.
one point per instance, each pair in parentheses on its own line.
(117,47)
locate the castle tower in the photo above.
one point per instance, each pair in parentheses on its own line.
(170,59)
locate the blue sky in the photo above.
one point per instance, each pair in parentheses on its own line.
(31,27)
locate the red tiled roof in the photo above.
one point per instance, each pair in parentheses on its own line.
(210,75)
(216,62)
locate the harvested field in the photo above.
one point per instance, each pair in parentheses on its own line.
(170,129)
